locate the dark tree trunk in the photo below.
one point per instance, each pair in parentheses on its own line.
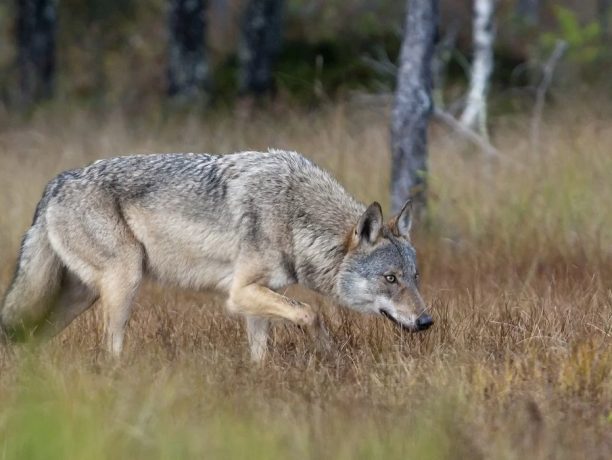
(259,47)
(36,30)
(187,64)
(528,11)
(413,105)
(603,11)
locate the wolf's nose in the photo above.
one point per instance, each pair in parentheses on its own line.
(424,321)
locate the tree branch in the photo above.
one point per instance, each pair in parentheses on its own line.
(472,136)
(548,71)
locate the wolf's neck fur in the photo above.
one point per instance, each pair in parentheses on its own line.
(322,244)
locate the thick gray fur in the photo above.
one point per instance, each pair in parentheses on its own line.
(249,224)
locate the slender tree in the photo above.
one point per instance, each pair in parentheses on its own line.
(36,35)
(475,113)
(603,11)
(259,46)
(187,63)
(413,105)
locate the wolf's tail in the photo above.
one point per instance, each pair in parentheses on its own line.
(35,284)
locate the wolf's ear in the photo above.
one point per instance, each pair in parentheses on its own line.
(370,224)
(403,222)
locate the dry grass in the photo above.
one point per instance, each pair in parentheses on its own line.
(516,262)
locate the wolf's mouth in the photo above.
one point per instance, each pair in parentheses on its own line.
(394,320)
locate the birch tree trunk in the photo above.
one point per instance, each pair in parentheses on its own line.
(259,46)
(187,63)
(36,36)
(475,113)
(413,105)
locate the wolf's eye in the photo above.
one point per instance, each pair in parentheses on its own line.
(390,278)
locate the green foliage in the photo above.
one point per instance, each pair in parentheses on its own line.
(107,12)
(325,69)
(331,20)
(584,41)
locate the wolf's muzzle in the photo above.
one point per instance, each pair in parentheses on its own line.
(424,322)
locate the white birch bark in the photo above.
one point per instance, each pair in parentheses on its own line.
(475,113)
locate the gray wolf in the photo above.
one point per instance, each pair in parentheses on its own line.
(248,224)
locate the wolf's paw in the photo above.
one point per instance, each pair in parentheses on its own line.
(304,316)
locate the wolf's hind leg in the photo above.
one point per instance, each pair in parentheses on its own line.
(99,247)
(257,332)
(75,298)
(118,287)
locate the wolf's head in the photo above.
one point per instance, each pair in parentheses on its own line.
(379,273)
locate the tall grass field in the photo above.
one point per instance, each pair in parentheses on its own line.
(516,262)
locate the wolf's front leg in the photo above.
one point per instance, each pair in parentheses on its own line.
(321,336)
(318,330)
(258,300)
(260,304)
(257,331)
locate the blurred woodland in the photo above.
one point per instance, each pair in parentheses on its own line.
(507,105)
(107,53)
